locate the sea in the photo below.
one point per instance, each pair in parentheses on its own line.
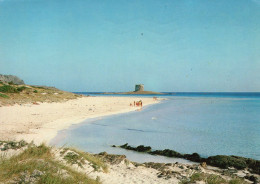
(206,123)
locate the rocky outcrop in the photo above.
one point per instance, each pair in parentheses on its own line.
(221,161)
(11,78)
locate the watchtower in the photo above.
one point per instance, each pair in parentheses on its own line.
(139,87)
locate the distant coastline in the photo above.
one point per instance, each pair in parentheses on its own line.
(194,94)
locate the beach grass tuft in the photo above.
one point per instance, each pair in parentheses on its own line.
(36,164)
(211,179)
(74,156)
(4,96)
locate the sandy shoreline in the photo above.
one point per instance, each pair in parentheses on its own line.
(40,123)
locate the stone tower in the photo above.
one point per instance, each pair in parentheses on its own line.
(139,87)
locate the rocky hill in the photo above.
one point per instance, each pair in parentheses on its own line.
(11,79)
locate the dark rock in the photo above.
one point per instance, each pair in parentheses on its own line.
(143,148)
(252,178)
(140,148)
(168,164)
(103,153)
(160,176)
(193,157)
(221,161)
(167,153)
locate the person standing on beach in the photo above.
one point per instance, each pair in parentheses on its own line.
(134,103)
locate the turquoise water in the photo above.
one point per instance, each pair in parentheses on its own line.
(209,125)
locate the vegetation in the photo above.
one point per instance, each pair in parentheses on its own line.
(8,89)
(211,179)
(36,164)
(21,94)
(20,89)
(74,156)
(4,96)
(39,87)
(12,145)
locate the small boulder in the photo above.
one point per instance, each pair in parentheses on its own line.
(204,165)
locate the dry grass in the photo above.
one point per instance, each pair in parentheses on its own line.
(211,179)
(21,94)
(36,164)
(78,158)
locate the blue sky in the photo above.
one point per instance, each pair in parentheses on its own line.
(175,45)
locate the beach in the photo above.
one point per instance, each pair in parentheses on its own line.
(40,122)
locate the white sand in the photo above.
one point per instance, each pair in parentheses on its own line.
(41,123)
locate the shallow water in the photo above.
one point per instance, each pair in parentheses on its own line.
(208,126)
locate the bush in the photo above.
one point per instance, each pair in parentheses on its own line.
(8,89)
(224,162)
(20,89)
(35,91)
(4,96)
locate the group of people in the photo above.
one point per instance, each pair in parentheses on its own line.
(138,103)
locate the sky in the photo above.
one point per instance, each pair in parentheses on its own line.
(99,45)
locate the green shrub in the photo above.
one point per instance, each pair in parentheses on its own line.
(39,87)
(224,161)
(197,177)
(11,83)
(35,91)
(237,181)
(78,157)
(20,89)
(210,179)
(215,179)
(4,96)
(74,158)
(8,89)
